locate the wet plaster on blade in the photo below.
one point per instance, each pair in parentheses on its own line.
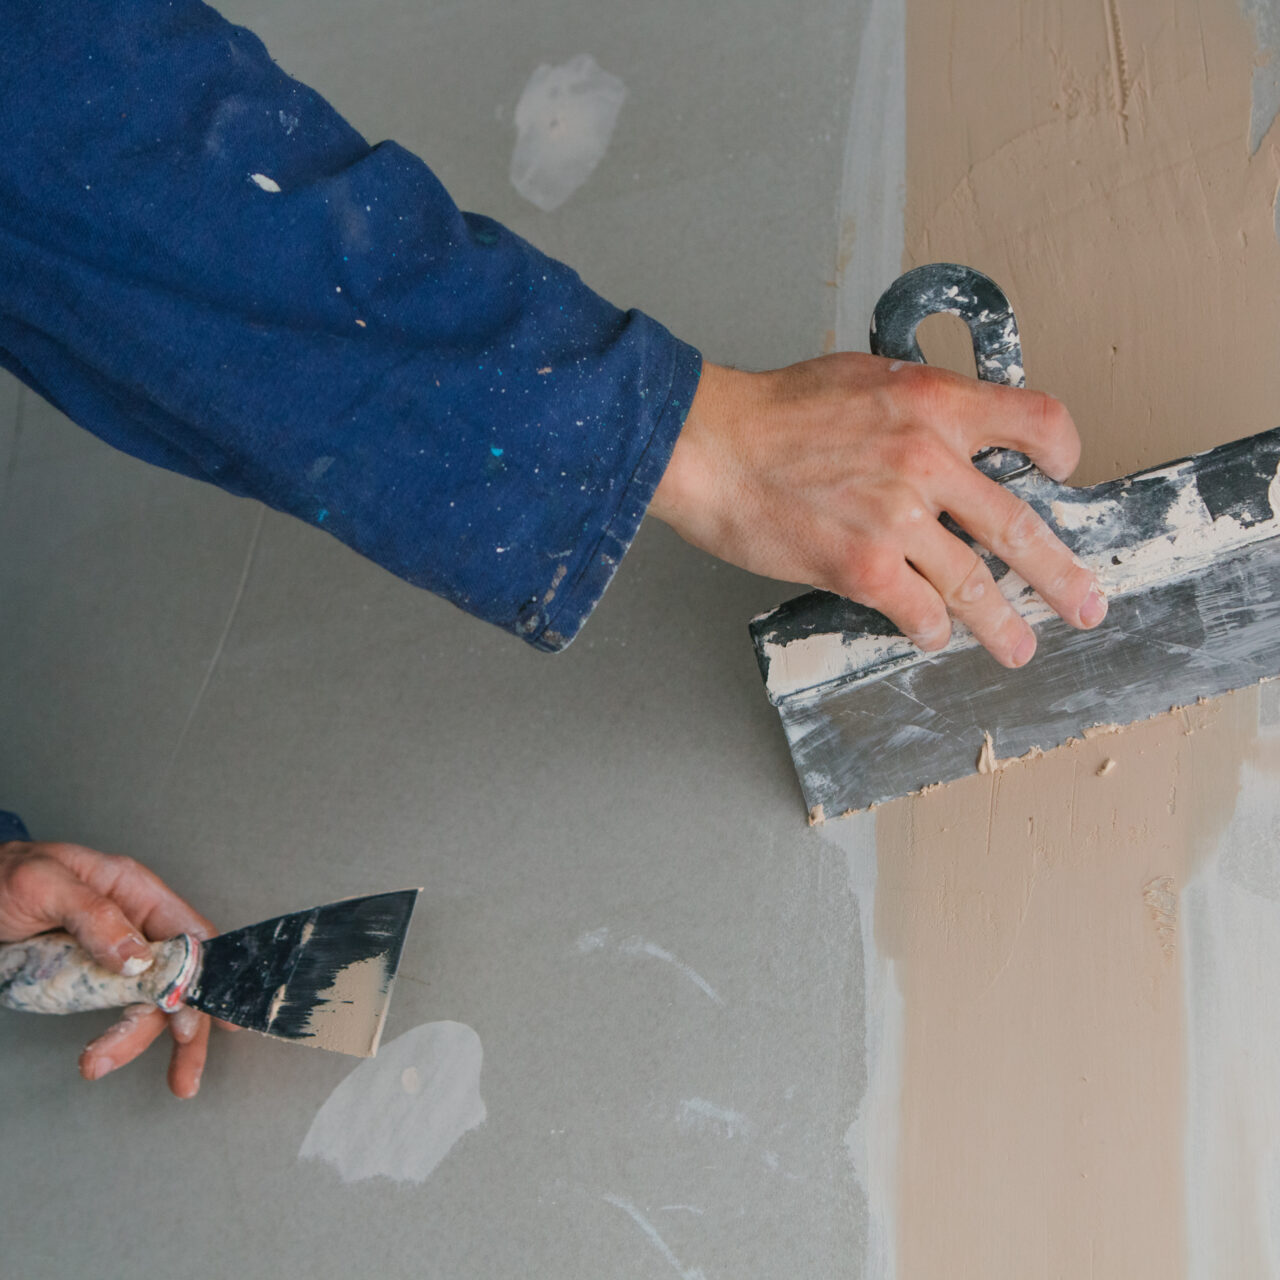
(1095,161)
(398,1115)
(1031,918)
(348,1016)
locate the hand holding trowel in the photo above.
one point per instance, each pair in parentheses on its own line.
(321,977)
(1188,554)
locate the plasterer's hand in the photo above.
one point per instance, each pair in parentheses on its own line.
(834,472)
(109,904)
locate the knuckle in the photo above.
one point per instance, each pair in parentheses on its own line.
(97,915)
(871,577)
(972,584)
(1051,414)
(122,864)
(1074,580)
(27,879)
(927,625)
(1021,527)
(915,451)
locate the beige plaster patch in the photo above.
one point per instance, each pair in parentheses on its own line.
(1094,160)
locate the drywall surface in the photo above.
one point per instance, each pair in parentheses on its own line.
(662,963)
(1068,1102)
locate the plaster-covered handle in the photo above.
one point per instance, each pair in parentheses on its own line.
(952,289)
(52,973)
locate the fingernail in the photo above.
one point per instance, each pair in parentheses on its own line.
(98,1067)
(1094,608)
(1025,648)
(136,956)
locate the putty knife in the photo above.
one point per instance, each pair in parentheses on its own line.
(321,977)
(1188,554)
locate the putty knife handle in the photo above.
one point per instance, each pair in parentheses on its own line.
(52,973)
(956,290)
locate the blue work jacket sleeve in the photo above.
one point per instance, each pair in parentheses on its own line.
(206,266)
(11,827)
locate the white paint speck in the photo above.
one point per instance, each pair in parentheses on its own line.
(267,184)
(398,1115)
(564,122)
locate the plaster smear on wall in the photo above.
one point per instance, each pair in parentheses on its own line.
(1095,160)
(873,182)
(564,122)
(1265,16)
(1231,949)
(871,1140)
(398,1115)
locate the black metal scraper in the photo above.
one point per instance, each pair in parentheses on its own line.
(321,977)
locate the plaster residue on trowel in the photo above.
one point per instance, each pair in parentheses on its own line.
(348,1016)
(1187,541)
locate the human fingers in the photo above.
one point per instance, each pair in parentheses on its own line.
(123,1042)
(882,579)
(144,897)
(190,1030)
(39,892)
(977,415)
(1010,529)
(969,592)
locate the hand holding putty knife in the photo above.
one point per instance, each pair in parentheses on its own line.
(321,977)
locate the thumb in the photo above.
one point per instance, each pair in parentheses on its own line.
(95,922)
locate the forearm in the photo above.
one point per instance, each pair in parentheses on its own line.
(349,348)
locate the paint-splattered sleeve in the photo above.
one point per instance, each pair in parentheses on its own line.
(205,265)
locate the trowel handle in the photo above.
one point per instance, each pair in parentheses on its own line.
(955,290)
(52,973)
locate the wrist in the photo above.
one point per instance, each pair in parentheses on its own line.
(702,458)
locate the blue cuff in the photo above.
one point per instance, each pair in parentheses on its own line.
(12,828)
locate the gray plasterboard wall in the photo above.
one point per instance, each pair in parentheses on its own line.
(355,734)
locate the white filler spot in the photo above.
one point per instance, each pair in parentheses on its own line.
(398,1115)
(564,121)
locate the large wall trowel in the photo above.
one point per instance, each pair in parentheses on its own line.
(321,977)
(1187,553)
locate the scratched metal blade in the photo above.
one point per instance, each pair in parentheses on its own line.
(1191,551)
(320,977)
(1201,636)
